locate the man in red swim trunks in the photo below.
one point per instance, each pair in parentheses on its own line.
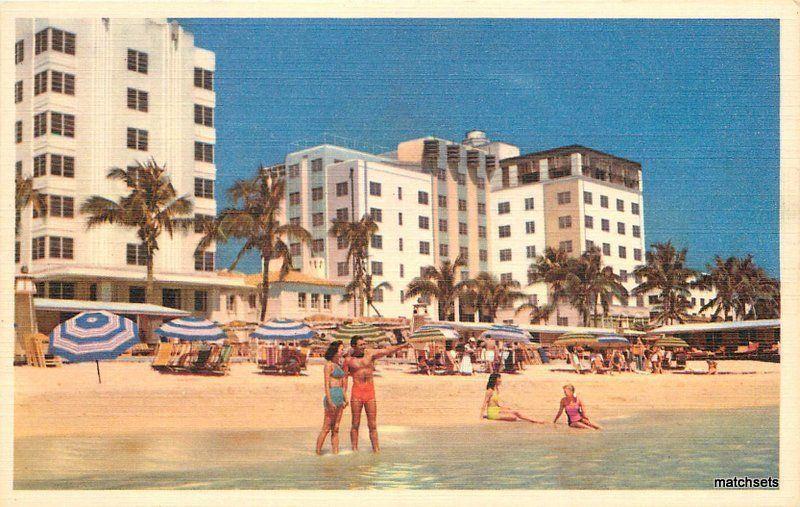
(361,366)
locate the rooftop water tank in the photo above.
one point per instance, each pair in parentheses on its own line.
(475,138)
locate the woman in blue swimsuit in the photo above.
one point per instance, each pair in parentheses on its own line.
(335,398)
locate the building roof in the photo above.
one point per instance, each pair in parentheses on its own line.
(718,326)
(572,148)
(482,326)
(99,274)
(291,277)
(74,305)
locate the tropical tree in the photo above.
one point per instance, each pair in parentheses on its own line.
(441,283)
(368,290)
(743,289)
(665,273)
(253,220)
(356,236)
(590,284)
(152,207)
(488,294)
(26,195)
(554,268)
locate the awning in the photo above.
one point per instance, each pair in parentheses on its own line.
(75,305)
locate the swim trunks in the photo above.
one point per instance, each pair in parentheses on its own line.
(363,392)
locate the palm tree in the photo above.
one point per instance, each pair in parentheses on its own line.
(554,268)
(368,290)
(591,284)
(441,284)
(357,236)
(665,272)
(488,294)
(253,219)
(152,207)
(743,289)
(26,195)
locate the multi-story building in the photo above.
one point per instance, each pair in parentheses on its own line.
(93,94)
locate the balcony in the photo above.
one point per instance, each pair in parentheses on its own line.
(559,172)
(528,178)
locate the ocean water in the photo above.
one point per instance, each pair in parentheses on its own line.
(670,450)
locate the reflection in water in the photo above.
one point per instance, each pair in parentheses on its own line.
(655,450)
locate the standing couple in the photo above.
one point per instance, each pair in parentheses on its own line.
(359,364)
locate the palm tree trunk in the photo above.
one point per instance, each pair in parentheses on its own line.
(264,285)
(149,286)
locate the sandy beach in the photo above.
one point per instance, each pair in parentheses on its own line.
(135,399)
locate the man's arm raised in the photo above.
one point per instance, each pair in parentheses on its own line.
(377,354)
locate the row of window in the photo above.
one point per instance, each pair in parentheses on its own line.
(605,226)
(60,124)
(588,199)
(566,198)
(59,247)
(302,300)
(55,206)
(49,38)
(60,165)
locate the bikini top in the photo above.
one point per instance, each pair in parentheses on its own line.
(338,372)
(495,398)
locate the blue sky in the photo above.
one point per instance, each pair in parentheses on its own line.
(695,101)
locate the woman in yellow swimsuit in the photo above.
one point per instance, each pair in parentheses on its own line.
(493,410)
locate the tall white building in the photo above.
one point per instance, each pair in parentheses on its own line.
(92,94)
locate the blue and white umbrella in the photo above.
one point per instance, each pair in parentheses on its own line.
(191,329)
(506,333)
(93,336)
(613,340)
(283,330)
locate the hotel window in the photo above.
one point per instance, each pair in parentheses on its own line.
(40,165)
(461,178)
(376,241)
(654,300)
(530,251)
(636,231)
(564,197)
(424,247)
(230,303)
(138,101)
(587,198)
(204,188)
(19,51)
(326,301)
(402,271)
(37,248)
(61,290)
(505,254)
(562,321)
(481,231)
(441,174)
(40,83)
(623,276)
(588,222)
(604,201)
(462,228)
(294,249)
(504,231)
(294,170)
(136,254)
(480,182)
(61,248)
(39,125)
(620,228)
(341,242)
(606,249)
(639,300)
(18,92)
(61,206)
(483,255)
(200,222)
(374,188)
(93,292)
(400,193)
(400,219)
(137,139)
(506,278)
(203,78)
(462,205)
(204,115)
(316,194)
(342,269)
(605,225)
(204,152)
(62,124)
(530,227)
(637,278)
(204,261)
(565,222)
(378,296)
(529,203)
(136,294)
(422,197)
(317,219)
(171,298)
(635,208)
(424,223)
(17,254)
(63,83)
(41,41)
(341,213)
(18,131)
(294,221)
(377,268)
(442,225)
(702,302)
(18,168)
(341,189)
(442,201)
(694,302)
(137,61)
(637,254)
(316,165)
(443,250)
(622,252)
(620,205)
(503,208)
(63,42)
(200,300)
(481,208)
(565,246)
(294,198)
(317,245)
(301,299)
(464,253)
(589,244)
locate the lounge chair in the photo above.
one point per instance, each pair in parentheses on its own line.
(162,357)
(424,364)
(202,357)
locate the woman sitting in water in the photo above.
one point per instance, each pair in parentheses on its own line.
(493,410)
(335,397)
(576,413)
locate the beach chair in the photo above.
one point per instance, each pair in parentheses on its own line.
(423,363)
(202,358)
(162,357)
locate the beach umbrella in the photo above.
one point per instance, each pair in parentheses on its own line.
(191,329)
(93,336)
(283,330)
(591,340)
(506,333)
(448,331)
(365,330)
(671,341)
(423,335)
(613,340)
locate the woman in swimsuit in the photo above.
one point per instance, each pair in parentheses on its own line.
(335,398)
(493,410)
(576,413)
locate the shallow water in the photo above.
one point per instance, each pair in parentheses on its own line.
(672,450)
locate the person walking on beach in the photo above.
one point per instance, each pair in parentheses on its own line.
(493,410)
(576,412)
(361,366)
(638,353)
(334,400)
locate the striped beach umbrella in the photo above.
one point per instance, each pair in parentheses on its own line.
(613,340)
(93,336)
(283,330)
(591,340)
(506,333)
(671,341)
(448,331)
(191,329)
(365,330)
(423,335)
